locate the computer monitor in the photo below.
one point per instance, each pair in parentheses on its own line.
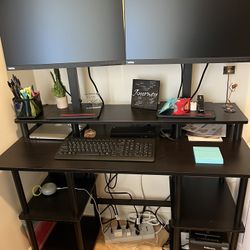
(61,33)
(187,31)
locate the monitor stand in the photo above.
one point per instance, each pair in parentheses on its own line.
(78,110)
(187,80)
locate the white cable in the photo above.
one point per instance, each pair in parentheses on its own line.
(93,199)
(60,188)
(148,218)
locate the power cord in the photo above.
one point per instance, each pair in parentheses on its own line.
(109,179)
(97,91)
(199,85)
(166,134)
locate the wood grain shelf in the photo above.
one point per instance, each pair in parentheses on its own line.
(125,114)
(56,207)
(207,205)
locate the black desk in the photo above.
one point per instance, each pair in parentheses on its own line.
(212,207)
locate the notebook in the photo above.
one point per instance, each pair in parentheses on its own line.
(207,155)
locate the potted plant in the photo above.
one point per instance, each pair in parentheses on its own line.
(58,90)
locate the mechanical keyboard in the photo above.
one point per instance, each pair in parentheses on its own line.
(107,149)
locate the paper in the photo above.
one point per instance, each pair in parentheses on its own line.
(206,130)
(200,138)
(207,155)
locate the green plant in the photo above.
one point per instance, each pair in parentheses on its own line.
(58,89)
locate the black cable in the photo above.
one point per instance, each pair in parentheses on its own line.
(111,180)
(107,190)
(59,80)
(157,218)
(181,85)
(110,193)
(108,221)
(64,89)
(97,91)
(202,76)
(108,206)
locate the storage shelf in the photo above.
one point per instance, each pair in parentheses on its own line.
(207,204)
(57,206)
(63,237)
(125,114)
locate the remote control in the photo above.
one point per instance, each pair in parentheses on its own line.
(200,104)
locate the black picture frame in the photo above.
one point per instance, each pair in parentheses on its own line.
(145,94)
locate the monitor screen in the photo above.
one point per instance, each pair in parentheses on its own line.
(61,33)
(187,31)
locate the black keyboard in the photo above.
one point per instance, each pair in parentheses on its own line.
(107,149)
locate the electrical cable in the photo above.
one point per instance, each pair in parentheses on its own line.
(95,204)
(107,190)
(97,91)
(110,221)
(181,85)
(202,76)
(111,180)
(60,82)
(64,89)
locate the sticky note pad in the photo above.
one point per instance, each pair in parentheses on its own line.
(208,155)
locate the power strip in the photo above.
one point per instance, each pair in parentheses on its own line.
(112,235)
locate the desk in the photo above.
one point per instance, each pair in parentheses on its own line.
(204,187)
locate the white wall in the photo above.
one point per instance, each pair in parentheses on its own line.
(11,237)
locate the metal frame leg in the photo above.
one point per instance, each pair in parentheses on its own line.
(238,211)
(175,191)
(73,201)
(25,207)
(79,236)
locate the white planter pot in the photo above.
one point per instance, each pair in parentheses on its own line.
(62,102)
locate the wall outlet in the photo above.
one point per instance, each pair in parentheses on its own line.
(229,70)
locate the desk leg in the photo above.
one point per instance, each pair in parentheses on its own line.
(237,132)
(72,192)
(175,190)
(238,212)
(94,194)
(79,236)
(25,208)
(73,200)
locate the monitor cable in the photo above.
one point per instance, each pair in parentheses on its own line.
(97,91)
(201,79)
(60,82)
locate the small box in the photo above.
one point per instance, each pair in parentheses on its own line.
(28,108)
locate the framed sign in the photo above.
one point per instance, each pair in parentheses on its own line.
(145,94)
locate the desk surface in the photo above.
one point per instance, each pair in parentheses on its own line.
(172,158)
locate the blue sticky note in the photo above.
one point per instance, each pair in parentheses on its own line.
(208,155)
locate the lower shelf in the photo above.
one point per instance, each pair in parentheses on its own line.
(207,205)
(63,235)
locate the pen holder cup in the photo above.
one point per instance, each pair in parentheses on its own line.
(28,108)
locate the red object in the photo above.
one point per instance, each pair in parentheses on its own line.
(81,114)
(42,231)
(182,106)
